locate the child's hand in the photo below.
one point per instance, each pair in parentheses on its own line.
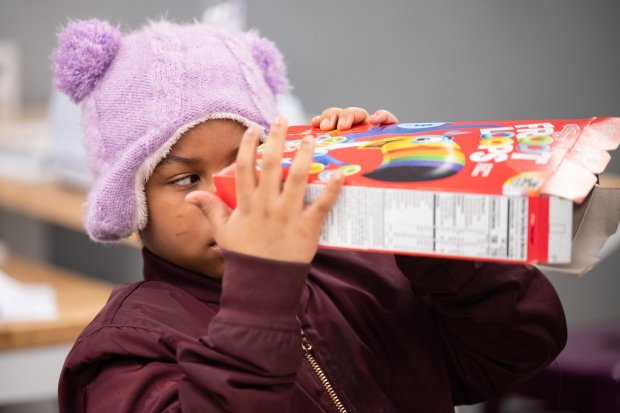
(343,119)
(270,220)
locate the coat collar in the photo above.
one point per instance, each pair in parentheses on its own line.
(198,285)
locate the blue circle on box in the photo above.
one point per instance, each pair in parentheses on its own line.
(421,125)
(324,176)
(347,170)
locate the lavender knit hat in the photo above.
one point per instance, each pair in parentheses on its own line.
(140,92)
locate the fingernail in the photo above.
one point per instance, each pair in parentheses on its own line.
(325,123)
(278,121)
(337,175)
(191,198)
(252,130)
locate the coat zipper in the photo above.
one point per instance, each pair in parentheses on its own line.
(307,348)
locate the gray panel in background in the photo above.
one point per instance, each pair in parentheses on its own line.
(452,60)
(426,61)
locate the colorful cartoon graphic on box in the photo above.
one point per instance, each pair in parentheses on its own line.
(409,153)
(416,158)
(514,158)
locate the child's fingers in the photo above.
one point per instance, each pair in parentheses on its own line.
(351,116)
(316,121)
(382,117)
(245,174)
(321,206)
(213,208)
(328,118)
(270,180)
(332,118)
(297,178)
(344,119)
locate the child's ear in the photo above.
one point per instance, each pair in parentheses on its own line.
(270,60)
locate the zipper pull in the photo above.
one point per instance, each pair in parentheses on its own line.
(305,344)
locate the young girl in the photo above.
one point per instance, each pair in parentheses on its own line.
(239,311)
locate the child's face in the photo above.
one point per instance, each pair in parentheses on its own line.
(176,230)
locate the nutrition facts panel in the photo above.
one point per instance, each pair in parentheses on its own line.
(427,222)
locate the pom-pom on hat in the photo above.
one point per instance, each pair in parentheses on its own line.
(140,92)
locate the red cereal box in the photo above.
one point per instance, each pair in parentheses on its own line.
(493,190)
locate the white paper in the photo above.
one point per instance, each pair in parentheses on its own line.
(26,302)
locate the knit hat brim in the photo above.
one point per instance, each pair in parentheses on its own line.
(103,223)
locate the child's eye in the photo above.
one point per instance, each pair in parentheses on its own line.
(186,180)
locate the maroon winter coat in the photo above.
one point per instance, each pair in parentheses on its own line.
(390,334)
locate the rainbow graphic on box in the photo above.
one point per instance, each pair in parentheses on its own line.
(495,190)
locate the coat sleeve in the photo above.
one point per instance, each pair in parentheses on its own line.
(246,360)
(249,357)
(499,323)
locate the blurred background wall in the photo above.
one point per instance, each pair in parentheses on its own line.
(424,60)
(456,60)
